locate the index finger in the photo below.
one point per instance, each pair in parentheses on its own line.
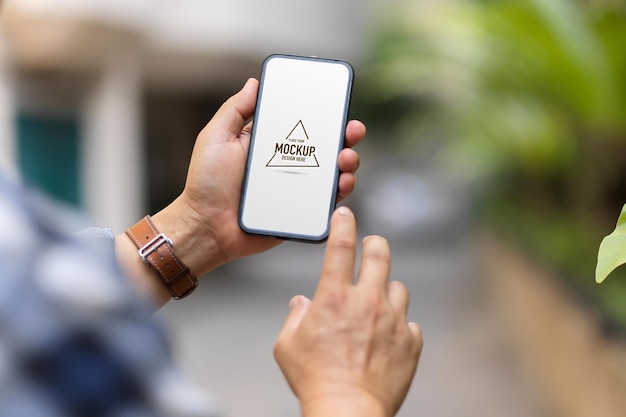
(338,268)
(355,132)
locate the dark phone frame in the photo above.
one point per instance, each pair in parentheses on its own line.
(341,144)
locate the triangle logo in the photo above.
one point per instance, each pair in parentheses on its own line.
(294,151)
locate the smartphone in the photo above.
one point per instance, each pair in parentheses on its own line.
(290,182)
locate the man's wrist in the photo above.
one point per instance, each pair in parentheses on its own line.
(156,250)
(196,246)
(341,403)
(342,407)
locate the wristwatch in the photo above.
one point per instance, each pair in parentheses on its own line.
(156,250)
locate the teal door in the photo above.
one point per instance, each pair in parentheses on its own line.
(49,155)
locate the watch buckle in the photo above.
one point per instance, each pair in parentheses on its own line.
(152,246)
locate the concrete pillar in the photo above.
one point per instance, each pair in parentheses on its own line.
(113,159)
(8,112)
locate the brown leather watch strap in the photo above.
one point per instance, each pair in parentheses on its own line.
(155,249)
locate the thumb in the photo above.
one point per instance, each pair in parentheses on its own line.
(233,114)
(230,118)
(298,306)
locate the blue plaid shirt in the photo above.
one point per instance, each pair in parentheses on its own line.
(75,339)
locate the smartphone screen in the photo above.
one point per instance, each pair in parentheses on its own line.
(290,183)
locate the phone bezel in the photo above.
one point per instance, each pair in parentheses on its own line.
(341,143)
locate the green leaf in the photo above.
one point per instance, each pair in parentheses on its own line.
(612,251)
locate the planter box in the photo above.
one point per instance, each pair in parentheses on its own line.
(577,371)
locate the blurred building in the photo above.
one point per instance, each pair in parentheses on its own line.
(101,101)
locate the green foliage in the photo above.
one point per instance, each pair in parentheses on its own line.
(528,96)
(567,246)
(519,79)
(612,252)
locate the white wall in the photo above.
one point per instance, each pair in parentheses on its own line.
(190,44)
(113,157)
(323,27)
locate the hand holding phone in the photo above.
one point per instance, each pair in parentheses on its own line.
(289,188)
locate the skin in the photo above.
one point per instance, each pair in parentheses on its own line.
(202,221)
(350,351)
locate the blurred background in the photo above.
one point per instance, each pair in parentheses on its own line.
(495,163)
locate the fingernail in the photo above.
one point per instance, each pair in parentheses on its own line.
(247,83)
(344,211)
(293,303)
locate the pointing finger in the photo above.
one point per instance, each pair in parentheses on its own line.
(338,268)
